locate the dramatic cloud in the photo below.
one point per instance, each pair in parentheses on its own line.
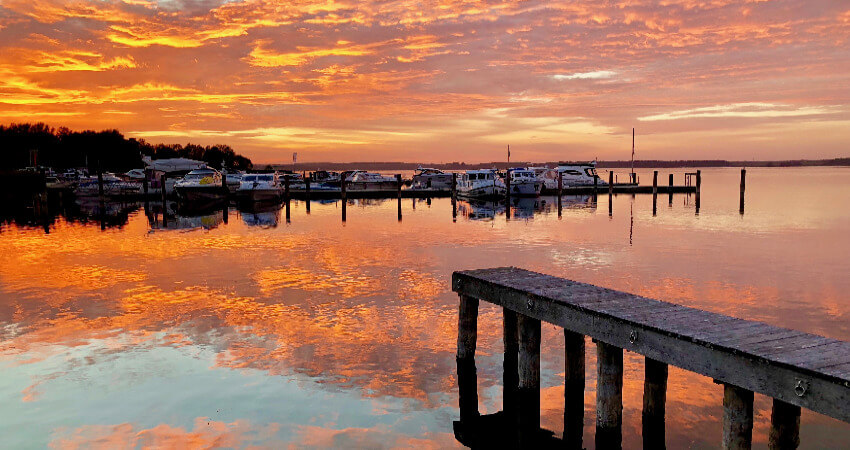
(396,80)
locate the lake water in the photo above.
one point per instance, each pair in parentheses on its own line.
(200,331)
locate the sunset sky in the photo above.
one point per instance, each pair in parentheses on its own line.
(439,81)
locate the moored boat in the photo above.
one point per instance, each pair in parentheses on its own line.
(523,182)
(480,184)
(429,179)
(360,180)
(580,174)
(260,187)
(201,186)
(112,186)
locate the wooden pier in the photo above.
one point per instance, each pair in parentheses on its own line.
(796,369)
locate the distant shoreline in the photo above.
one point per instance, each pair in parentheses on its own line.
(638,164)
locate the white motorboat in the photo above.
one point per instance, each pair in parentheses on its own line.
(233,180)
(430,179)
(172,168)
(523,182)
(260,187)
(480,184)
(201,186)
(360,180)
(112,186)
(547,176)
(580,174)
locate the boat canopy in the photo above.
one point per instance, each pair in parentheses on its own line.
(173,164)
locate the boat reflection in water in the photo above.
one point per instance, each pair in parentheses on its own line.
(260,214)
(182,219)
(523,207)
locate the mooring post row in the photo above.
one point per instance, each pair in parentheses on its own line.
(735,352)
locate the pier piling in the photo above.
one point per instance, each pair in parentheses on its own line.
(560,191)
(784,426)
(610,193)
(698,186)
(511,363)
(609,396)
(528,392)
(454,185)
(307,181)
(466,341)
(162,191)
(737,418)
(654,192)
(670,191)
(654,401)
(743,188)
(574,358)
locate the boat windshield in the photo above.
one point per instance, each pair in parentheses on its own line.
(197,176)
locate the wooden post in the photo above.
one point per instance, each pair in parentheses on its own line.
(286,196)
(398,184)
(454,209)
(609,396)
(610,193)
(507,185)
(162,191)
(743,188)
(307,181)
(595,184)
(100,183)
(654,192)
(560,191)
(670,191)
(343,195)
(454,185)
(510,367)
(573,390)
(699,184)
(654,403)
(737,417)
(784,426)
(399,206)
(528,392)
(467,336)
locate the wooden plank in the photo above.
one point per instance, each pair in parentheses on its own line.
(828,390)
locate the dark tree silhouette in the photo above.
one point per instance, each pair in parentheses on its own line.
(107,149)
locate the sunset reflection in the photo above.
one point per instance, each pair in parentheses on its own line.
(323,333)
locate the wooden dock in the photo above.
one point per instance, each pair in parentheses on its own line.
(796,369)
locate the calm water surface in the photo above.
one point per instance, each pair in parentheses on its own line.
(202,331)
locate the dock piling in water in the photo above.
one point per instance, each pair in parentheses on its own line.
(610,193)
(307,181)
(560,192)
(670,191)
(466,341)
(784,426)
(510,368)
(743,188)
(574,358)
(737,418)
(654,403)
(654,192)
(528,391)
(609,396)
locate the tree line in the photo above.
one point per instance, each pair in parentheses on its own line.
(21,143)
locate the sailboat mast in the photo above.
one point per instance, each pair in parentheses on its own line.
(632,174)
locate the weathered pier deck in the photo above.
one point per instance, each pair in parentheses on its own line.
(796,369)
